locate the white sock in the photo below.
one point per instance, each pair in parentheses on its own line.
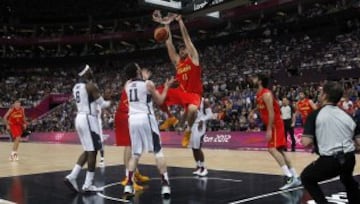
(201,164)
(89,178)
(127,172)
(198,163)
(166,177)
(75,171)
(286,171)
(293,172)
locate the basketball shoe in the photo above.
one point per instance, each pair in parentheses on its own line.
(136,186)
(186,138)
(172,121)
(290,183)
(71,183)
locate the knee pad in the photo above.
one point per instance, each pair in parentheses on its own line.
(159,154)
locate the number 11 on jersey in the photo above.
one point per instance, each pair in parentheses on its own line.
(133,95)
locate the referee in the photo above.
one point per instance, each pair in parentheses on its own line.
(332,132)
(288,116)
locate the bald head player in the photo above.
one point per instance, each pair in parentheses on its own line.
(87,97)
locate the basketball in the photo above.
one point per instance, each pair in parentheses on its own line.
(161,34)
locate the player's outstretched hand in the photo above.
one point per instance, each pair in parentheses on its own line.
(169,82)
(178,18)
(157,16)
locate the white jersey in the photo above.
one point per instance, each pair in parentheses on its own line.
(198,129)
(86,121)
(84,102)
(143,128)
(140,100)
(201,112)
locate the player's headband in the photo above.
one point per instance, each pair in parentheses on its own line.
(84,70)
(137,65)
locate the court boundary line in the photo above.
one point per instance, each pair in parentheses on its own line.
(2,201)
(157,178)
(278,192)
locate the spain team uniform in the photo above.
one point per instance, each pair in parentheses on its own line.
(16,121)
(87,122)
(122,121)
(278,132)
(190,85)
(144,131)
(304,108)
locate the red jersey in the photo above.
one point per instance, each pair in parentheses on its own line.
(123,106)
(189,76)
(16,117)
(264,113)
(304,108)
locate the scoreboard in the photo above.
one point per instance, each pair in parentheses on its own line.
(193,6)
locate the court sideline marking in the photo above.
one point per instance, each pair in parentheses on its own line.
(278,192)
(171,178)
(2,201)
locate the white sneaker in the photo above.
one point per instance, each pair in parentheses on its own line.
(129,190)
(290,183)
(165,191)
(91,188)
(197,171)
(102,163)
(203,172)
(71,183)
(14,156)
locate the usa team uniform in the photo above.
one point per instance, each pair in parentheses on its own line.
(87,122)
(144,131)
(197,133)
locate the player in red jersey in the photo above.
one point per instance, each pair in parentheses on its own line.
(269,110)
(304,107)
(15,123)
(122,136)
(188,74)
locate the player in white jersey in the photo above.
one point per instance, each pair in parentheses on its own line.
(144,131)
(198,131)
(87,98)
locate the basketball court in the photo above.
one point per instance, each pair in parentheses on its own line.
(235,176)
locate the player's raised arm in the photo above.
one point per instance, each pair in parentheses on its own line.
(95,93)
(174,57)
(187,40)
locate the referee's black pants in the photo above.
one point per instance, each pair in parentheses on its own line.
(326,167)
(290,130)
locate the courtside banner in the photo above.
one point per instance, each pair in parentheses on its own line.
(218,139)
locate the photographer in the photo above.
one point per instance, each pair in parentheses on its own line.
(332,132)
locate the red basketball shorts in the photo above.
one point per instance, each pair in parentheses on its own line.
(16,130)
(278,138)
(122,134)
(177,96)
